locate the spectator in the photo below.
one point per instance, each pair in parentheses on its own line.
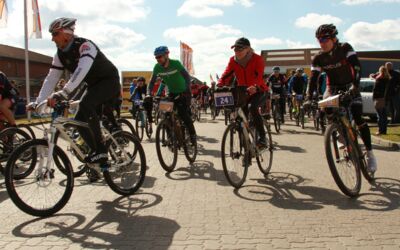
(393,97)
(379,96)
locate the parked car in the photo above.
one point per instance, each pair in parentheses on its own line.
(366,87)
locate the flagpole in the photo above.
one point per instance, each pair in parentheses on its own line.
(26,58)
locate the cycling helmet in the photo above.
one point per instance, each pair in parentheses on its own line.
(62,23)
(301,70)
(276,68)
(162,50)
(326,30)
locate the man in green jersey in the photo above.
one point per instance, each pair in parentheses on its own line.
(177,79)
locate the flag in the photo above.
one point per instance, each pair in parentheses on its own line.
(211,78)
(3,13)
(187,57)
(216,75)
(34,25)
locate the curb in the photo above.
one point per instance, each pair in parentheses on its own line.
(389,144)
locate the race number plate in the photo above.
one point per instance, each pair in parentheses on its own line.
(223,99)
(166,106)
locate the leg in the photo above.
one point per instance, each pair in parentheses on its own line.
(258,122)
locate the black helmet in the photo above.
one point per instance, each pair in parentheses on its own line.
(326,30)
(276,68)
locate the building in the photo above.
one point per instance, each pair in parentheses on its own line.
(12,63)
(290,59)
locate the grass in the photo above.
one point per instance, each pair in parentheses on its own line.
(393,133)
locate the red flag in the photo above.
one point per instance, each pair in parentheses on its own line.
(3,13)
(187,57)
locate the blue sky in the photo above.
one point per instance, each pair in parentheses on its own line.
(127,31)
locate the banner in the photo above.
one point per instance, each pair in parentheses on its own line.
(187,57)
(34,25)
(3,13)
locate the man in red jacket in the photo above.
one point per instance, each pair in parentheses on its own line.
(248,69)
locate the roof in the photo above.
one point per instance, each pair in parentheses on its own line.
(19,54)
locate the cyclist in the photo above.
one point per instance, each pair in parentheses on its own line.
(177,79)
(8,98)
(342,67)
(86,62)
(277,82)
(248,68)
(297,86)
(139,93)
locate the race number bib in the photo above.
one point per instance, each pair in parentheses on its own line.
(223,99)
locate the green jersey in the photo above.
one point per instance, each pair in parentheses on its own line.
(172,76)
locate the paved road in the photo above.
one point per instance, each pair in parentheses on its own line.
(297,206)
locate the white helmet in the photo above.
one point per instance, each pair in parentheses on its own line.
(62,22)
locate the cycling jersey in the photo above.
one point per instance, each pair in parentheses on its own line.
(84,60)
(250,75)
(277,83)
(174,76)
(297,84)
(341,65)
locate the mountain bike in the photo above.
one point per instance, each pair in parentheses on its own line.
(344,149)
(299,113)
(141,121)
(48,185)
(172,135)
(238,145)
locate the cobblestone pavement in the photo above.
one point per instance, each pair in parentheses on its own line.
(297,206)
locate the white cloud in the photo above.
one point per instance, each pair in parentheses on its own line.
(115,10)
(313,20)
(359,2)
(297,44)
(365,35)
(208,8)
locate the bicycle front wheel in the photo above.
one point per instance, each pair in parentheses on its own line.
(235,155)
(277,119)
(265,156)
(166,146)
(46,189)
(302,117)
(342,160)
(128,163)
(139,124)
(189,148)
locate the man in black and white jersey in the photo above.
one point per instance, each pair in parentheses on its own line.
(87,63)
(340,63)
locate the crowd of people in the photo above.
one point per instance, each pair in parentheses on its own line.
(335,68)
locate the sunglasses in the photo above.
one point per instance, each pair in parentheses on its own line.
(238,49)
(158,57)
(323,39)
(55,33)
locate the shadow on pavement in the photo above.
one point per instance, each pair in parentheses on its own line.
(201,150)
(294,149)
(199,170)
(289,191)
(115,226)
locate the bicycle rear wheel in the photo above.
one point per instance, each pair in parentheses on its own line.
(128,163)
(10,139)
(368,175)
(265,156)
(342,160)
(42,192)
(166,146)
(235,155)
(149,129)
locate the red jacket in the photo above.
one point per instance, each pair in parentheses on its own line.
(251,75)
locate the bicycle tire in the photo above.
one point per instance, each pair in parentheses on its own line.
(276,117)
(190,153)
(7,148)
(27,128)
(138,127)
(164,128)
(269,149)
(148,129)
(122,138)
(127,124)
(329,136)
(302,117)
(368,175)
(234,179)
(68,183)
